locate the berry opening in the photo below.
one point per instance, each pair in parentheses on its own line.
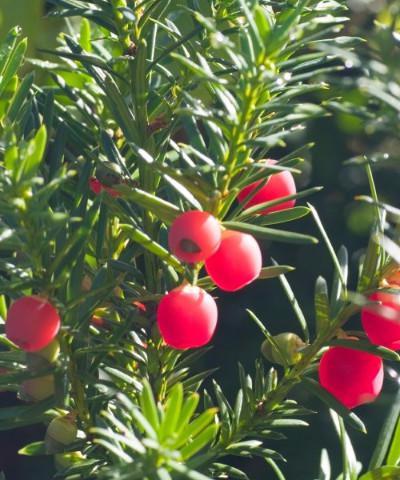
(189,246)
(194,236)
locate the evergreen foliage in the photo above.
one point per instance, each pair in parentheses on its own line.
(175,105)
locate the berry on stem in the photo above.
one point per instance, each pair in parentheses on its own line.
(289,345)
(353,377)
(32,323)
(236,263)
(194,236)
(277,186)
(382,322)
(61,431)
(187,317)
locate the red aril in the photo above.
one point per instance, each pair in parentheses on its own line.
(236,263)
(278,185)
(194,236)
(382,322)
(97,187)
(352,376)
(32,323)
(187,317)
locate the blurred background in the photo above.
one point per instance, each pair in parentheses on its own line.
(338,137)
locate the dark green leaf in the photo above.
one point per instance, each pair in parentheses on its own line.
(271,234)
(321,303)
(33,449)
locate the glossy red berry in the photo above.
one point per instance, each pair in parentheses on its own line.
(352,376)
(97,187)
(194,236)
(187,317)
(32,323)
(382,322)
(236,263)
(278,185)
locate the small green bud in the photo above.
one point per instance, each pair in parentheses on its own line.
(289,349)
(109,173)
(62,431)
(37,389)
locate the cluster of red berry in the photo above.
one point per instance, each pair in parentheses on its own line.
(187,315)
(355,377)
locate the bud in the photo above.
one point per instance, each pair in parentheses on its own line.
(109,173)
(62,431)
(289,345)
(68,459)
(118,292)
(37,389)
(86,283)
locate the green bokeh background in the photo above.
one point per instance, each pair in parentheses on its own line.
(27,14)
(347,222)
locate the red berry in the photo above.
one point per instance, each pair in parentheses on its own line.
(194,236)
(278,185)
(187,317)
(236,263)
(382,322)
(352,376)
(32,323)
(97,187)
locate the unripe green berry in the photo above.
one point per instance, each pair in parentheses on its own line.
(289,349)
(37,389)
(61,431)
(109,173)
